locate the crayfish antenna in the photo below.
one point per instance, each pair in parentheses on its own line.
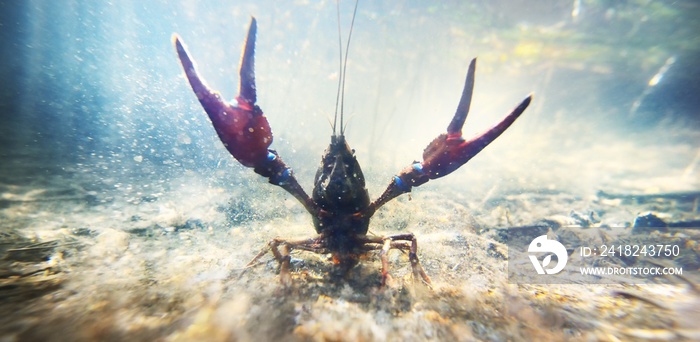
(340,68)
(340,97)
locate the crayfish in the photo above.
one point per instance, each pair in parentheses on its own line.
(339,205)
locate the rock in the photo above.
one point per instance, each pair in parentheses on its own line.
(191,224)
(83,231)
(647,223)
(110,244)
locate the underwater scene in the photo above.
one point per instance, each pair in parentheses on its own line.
(306,170)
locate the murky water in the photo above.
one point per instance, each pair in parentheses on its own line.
(122,216)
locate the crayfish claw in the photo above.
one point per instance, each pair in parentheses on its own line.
(478,143)
(242,127)
(465,101)
(468,149)
(246,86)
(448,151)
(206,96)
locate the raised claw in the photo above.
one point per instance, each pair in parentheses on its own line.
(242,127)
(448,151)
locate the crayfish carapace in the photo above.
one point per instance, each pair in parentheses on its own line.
(340,204)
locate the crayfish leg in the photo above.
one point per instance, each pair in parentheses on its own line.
(403,242)
(281,250)
(416,267)
(383,255)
